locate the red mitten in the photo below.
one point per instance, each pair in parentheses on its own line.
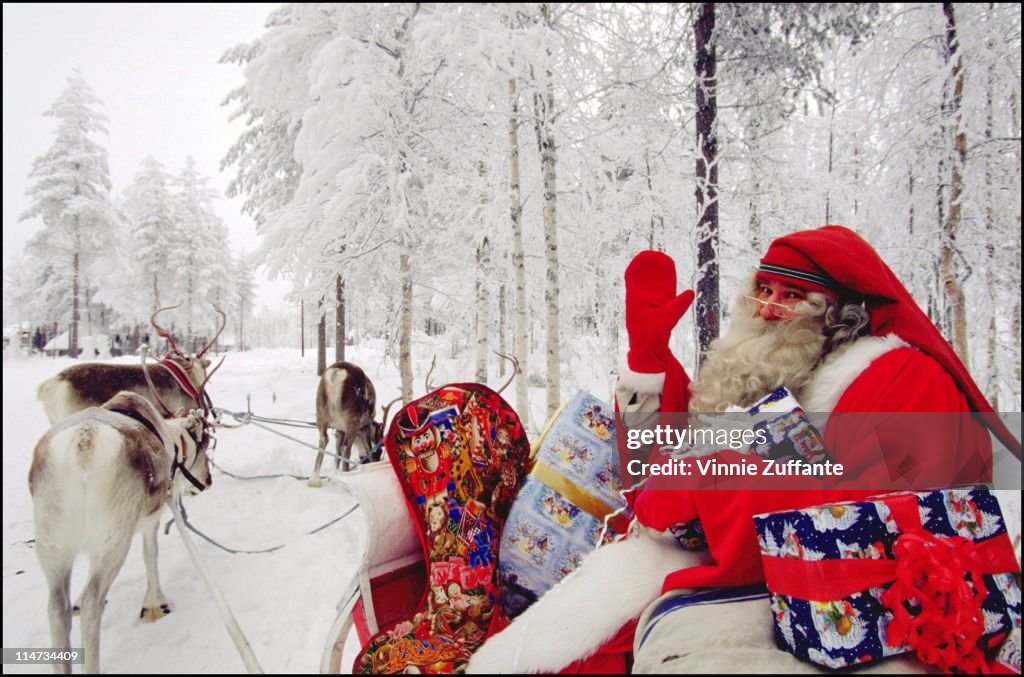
(652,310)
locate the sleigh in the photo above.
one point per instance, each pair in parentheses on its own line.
(392,575)
(711,630)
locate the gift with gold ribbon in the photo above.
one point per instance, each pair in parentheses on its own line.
(930,572)
(563,505)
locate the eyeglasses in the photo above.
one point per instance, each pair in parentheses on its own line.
(777,308)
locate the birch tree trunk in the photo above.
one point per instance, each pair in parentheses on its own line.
(405,328)
(544,107)
(321,340)
(339,319)
(948,264)
(991,387)
(1016,335)
(707,179)
(755,228)
(502,327)
(654,239)
(483,318)
(520,346)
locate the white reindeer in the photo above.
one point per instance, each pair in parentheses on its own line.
(97,478)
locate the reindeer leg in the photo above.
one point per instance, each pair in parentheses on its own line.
(342,445)
(314,478)
(154,606)
(103,568)
(57,568)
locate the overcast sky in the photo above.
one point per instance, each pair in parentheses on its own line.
(156,69)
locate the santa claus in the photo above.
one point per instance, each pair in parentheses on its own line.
(824,316)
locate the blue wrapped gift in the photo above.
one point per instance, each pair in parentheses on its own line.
(559,513)
(855,582)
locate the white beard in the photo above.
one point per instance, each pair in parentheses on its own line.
(753,358)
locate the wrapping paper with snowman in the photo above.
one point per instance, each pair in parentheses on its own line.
(931,572)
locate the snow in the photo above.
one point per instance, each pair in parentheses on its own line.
(285,600)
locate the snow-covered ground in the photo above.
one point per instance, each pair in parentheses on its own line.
(284,601)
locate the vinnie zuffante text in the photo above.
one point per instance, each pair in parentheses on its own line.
(669,439)
(710,466)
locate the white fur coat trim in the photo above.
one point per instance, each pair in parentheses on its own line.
(571,621)
(841,368)
(637,382)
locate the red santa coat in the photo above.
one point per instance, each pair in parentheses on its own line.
(878,376)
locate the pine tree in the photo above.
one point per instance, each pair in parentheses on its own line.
(71,195)
(150,206)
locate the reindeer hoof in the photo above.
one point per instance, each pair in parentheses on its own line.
(151,614)
(313,482)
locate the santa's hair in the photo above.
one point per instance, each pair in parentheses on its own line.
(844,323)
(756,356)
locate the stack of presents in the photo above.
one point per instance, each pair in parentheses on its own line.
(502,523)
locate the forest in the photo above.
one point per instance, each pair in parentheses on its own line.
(485,172)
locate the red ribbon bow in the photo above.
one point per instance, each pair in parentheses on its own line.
(930,573)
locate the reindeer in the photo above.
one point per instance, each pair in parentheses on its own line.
(179,383)
(97,477)
(345,403)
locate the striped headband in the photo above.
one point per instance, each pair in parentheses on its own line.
(797,274)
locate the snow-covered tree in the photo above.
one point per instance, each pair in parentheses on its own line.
(149,204)
(243,297)
(70,194)
(199,255)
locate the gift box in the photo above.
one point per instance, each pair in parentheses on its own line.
(560,511)
(932,572)
(780,429)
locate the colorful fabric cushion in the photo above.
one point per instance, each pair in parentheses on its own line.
(460,453)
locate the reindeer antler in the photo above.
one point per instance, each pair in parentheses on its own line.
(163,333)
(223,323)
(426,380)
(515,370)
(387,408)
(152,388)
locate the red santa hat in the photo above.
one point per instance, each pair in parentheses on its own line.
(835,259)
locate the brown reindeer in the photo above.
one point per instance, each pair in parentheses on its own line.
(97,478)
(345,403)
(178,383)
